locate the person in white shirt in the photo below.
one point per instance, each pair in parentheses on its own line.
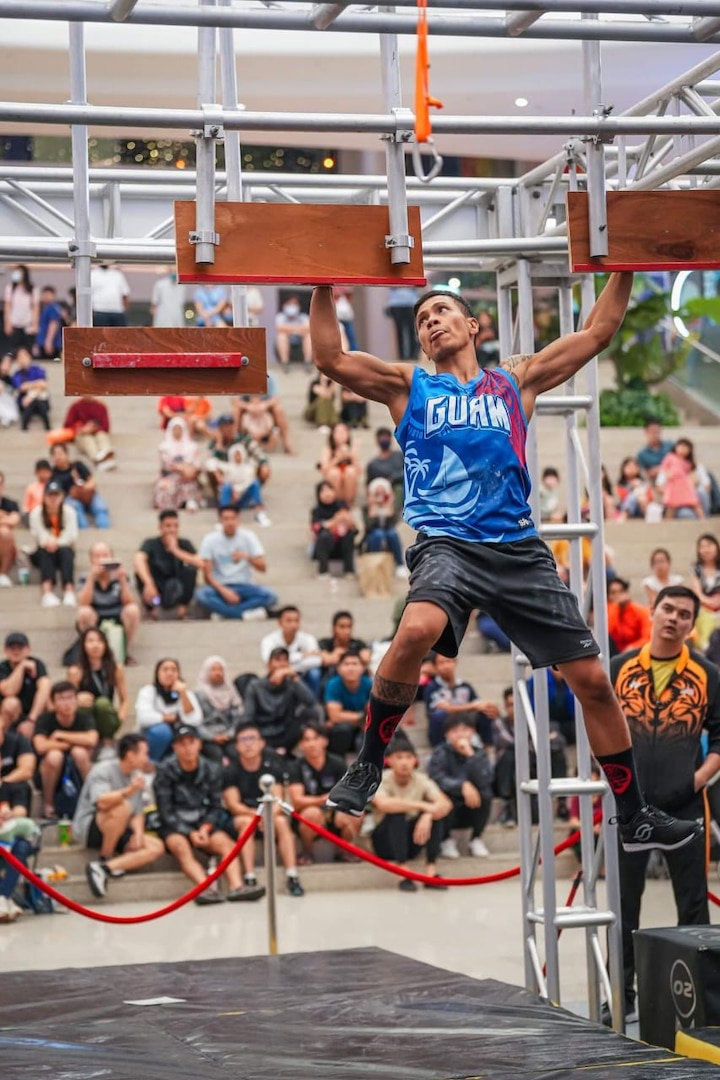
(292,327)
(110,296)
(230,554)
(303,649)
(167,305)
(164,705)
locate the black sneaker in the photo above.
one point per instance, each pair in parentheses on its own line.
(631,1014)
(114,874)
(651,828)
(209,897)
(355,790)
(436,883)
(293,885)
(407,885)
(246,893)
(96,878)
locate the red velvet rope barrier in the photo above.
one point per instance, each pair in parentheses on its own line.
(413,875)
(713,898)
(100,916)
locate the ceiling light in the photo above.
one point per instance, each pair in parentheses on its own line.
(522,102)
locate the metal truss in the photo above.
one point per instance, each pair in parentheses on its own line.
(514,225)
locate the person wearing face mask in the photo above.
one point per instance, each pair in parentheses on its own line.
(292,328)
(387,464)
(167,305)
(21,309)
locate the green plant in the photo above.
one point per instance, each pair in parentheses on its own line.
(634,407)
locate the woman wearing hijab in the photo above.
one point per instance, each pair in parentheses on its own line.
(222,707)
(177,486)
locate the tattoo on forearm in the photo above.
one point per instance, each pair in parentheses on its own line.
(396,693)
(514,361)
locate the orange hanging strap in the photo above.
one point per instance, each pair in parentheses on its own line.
(423,101)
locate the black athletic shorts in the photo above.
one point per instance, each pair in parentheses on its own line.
(516,584)
(95,838)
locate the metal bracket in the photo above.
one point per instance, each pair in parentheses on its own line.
(406,241)
(204,237)
(404,125)
(602,111)
(78,248)
(213,127)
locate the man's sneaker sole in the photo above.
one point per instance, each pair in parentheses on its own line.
(345,809)
(654,845)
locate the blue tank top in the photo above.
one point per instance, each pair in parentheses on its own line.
(464,458)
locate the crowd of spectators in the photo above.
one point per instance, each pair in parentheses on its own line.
(177,769)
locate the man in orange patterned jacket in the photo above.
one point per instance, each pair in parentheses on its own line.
(668,693)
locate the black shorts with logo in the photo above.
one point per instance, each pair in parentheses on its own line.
(516,584)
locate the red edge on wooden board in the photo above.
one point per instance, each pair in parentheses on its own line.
(199,361)
(236,279)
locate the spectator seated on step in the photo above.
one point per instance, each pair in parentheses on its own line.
(222,707)
(311,778)
(164,705)
(64,742)
(347,694)
(341,641)
(561,705)
(22,836)
(321,410)
(17,769)
(463,772)
(353,409)
(80,488)
(24,685)
(279,703)
(257,421)
(54,528)
(302,647)
(650,456)
(333,529)
(9,521)
(101,684)
(169,406)
(340,464)
(188,792)
(387,463)
(272,405)
(446,695)
(684,483)
(242,794)
(229,556)
(226,435)
(198,413)
(177,487)
(634,491)
(239,485)
(110,817)
(166,568)
(104,595)
(9,411)
(89,419)
(504,769)
(628,622)
(33,493)
(380,521)
(292,332)
(409,810)
(29,381)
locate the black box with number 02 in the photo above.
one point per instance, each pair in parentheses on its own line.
(678,971)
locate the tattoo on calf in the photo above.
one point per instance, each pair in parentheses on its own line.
(399,693)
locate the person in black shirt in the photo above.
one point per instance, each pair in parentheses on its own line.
(166,567)
(64,742)
(334,530)
(311,779)
(24,685)
(279,703)
(80,488)
(188,792)
(242,794)
(341,641)
(9,521)
(17,765)
(387,464)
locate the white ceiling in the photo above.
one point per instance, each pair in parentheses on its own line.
(284,71)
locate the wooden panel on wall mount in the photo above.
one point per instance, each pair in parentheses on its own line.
(648,230)
(299,244)
(127,360)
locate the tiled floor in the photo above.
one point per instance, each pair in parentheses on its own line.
(469,930)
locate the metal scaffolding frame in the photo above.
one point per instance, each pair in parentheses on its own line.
(513,225)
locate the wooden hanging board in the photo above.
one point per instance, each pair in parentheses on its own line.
(164,360)
(283,243)
(648,230)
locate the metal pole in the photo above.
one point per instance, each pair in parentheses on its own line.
(233,157)
(324,14)
(399,240)
(268,802)
(204,237)
(597,203)
(517,23)
(81,248)
(118,10)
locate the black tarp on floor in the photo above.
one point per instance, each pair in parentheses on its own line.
(350,1015)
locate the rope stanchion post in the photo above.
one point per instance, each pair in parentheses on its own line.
(267,802)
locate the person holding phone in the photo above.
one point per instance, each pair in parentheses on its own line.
(105,594)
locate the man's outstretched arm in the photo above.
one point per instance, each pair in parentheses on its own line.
(360,372)
(563,358)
